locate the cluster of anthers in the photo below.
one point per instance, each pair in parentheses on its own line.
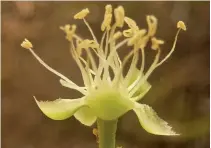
(108,93)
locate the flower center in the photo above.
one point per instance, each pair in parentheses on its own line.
(109,103)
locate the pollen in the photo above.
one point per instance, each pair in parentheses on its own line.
(26,44)
(181,25)
(82,14)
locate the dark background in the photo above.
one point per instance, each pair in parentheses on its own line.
(180,92)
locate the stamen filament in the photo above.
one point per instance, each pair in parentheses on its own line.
(140,80)
(141,95)
(142,61)
(83,71)
(80,89)
(90,29)
(51,69)
(172,50)
(131,69)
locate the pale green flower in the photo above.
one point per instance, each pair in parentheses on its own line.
(107,92)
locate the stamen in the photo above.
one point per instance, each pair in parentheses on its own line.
(131,23)
(156,43)
(82,14)
(71,86)
(181,25)
(106,66)
(137,37)
(69,32)
(141,95)
(107,18)
(82,69)
(171,51)
(119,14)
(121,43)
(85,63)
(128,33)
(26,44)
(117,35)
(140,80)
(132,68)
(142,61)
(90,29)
(152,25)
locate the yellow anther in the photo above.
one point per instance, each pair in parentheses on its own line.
(107,18)
(108,9)
(156,43)
(117,35)
(152,25)
(181,25)
(69,30)
(26,44)
(137,37)
(86,44)
(119,14)
(106,22)
(74,27)
(128,33)
(131,23)
(143,42)
(65,28)
(82,14)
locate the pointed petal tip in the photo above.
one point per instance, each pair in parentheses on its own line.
(151,122)
(59,109)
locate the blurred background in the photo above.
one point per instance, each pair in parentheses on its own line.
(181,86)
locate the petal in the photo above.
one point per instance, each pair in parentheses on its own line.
(86,116)
(60,109)
(151,122)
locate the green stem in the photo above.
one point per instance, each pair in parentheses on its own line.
(107,133)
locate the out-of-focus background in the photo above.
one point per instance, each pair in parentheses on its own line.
(180,92)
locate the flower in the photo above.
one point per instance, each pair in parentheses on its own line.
(108,93)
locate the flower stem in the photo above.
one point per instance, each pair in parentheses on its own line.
(107,133)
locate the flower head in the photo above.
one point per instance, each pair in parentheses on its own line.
(107,92)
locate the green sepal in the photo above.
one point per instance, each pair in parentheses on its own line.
(85,115)
(150,121)
(60,109)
